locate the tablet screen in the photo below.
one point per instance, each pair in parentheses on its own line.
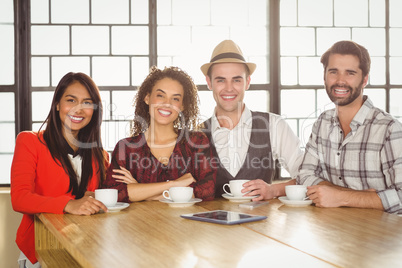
(223,217)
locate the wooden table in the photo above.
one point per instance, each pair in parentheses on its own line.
(152,234)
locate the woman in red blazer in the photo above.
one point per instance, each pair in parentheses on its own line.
(56,170)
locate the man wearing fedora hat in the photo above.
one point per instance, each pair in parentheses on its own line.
(245,143)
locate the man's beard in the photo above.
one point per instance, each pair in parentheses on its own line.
(354,94)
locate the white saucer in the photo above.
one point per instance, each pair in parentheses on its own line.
(238,199)
(180,204)
(119,206)
(295,203)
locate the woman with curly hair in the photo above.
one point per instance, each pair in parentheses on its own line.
(165,149)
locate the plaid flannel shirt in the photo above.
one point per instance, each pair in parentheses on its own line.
(369,157)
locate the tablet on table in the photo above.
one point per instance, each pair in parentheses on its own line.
(223,217)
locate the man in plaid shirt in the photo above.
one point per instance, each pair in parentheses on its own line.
(354,154)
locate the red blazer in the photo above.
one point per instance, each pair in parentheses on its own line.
(38,185)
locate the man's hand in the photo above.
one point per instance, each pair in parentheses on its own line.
(326,196)
(259,187)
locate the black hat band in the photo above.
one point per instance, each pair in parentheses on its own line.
(228,55)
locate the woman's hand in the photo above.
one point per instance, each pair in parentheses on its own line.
(184,180)
(87,205)
(89,193)
(125,176)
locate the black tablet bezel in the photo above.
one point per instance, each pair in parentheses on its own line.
(248,218)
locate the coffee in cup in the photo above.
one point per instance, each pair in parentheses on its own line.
(107,196)
(296,192)
(178,194)
(235,187)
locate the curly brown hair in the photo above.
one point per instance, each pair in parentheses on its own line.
(188,118)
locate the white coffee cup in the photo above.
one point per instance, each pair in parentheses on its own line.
(107,196)
(296,192)
(235,187)
(178,194)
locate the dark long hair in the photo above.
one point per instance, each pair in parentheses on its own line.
(89,137)
(190,112)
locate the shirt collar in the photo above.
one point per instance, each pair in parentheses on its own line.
(245,119)
(69,149)
(363,112)
(360,116)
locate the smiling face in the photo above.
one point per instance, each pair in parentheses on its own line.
(75,108)
(344,80)
(228,81)
(165,101)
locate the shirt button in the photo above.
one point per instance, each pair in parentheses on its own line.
(338,154)
(340,178)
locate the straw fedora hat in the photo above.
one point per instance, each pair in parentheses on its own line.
(225,52)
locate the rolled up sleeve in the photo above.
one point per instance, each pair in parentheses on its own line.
(391,158)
